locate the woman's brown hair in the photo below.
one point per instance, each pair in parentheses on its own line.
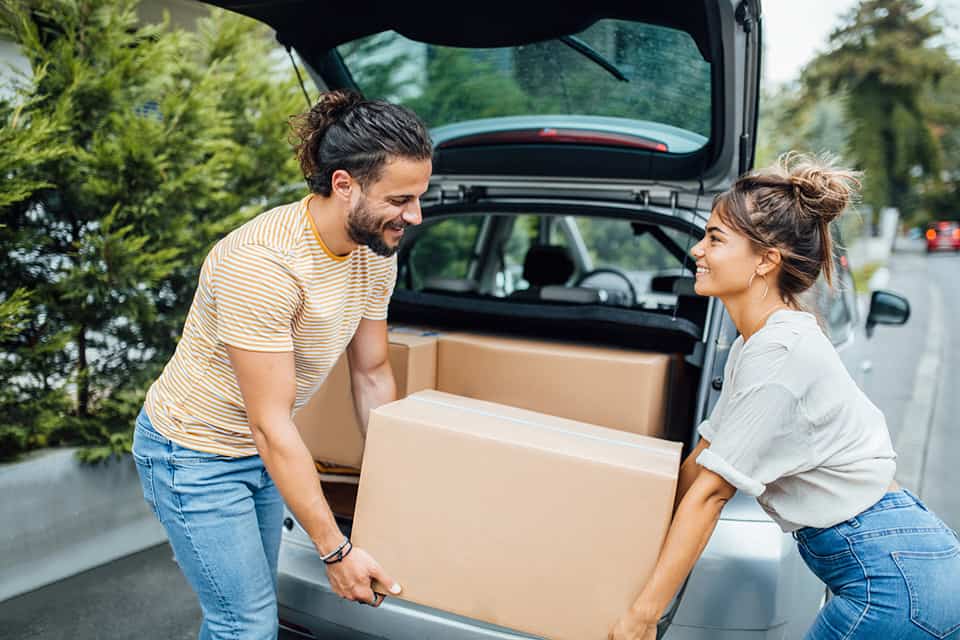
(789,206)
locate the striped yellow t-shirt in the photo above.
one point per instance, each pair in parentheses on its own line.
(270,285)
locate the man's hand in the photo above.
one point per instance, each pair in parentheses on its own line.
(633,626)
(352,578)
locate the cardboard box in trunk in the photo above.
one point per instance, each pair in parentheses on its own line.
(529,521)
(626,390)
(328,422)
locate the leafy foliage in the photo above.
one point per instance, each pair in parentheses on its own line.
(882,58)
(134,147)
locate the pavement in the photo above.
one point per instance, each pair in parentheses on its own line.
(912,373)
(141,596)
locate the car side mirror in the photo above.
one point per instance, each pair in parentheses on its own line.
(887,308)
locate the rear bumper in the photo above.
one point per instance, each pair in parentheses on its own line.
(307,600)
(749,583)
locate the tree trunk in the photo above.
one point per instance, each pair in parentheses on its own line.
(83,376)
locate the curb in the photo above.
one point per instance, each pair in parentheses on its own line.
(61,517)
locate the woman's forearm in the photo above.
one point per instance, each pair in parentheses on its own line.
(693,524)
(689,471)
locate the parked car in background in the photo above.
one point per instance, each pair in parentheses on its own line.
(943,235)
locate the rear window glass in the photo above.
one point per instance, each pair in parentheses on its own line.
(487,255)
(667,87)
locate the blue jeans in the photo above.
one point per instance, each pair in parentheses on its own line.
(223,517)
(893,570)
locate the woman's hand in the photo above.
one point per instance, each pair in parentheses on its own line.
(633,626)
(352,578)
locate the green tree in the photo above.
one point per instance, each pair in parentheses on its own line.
(941,198)
(883,59)
(790,119)
(164,140)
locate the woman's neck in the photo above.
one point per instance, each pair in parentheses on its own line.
(751,314)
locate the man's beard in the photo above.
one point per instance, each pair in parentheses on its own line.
(365,228)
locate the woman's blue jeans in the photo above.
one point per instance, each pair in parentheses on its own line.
(893,570)
(223,517)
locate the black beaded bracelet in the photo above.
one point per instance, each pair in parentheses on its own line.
(338,554)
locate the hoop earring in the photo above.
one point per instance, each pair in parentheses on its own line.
(766,286)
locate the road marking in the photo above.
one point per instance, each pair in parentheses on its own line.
(914,434)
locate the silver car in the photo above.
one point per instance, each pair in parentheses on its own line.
(600,130)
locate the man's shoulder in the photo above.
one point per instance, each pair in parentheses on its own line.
(280,228)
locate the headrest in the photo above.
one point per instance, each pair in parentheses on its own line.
(546,265)
(576,295)
(452,285)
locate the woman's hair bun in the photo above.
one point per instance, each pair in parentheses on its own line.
(821,188)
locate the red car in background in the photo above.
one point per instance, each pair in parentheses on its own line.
(943,235)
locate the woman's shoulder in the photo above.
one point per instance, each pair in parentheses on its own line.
(766,355)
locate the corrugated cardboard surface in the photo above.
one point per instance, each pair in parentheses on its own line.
(524,520)
(619,389)
(328,422)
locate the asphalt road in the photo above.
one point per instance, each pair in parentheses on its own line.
(916,376)
(913,378)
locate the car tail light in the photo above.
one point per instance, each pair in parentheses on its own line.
(931,234)
(956,233)
(551,135)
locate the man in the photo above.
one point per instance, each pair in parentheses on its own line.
(278,301)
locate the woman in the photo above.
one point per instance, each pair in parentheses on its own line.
(792,429)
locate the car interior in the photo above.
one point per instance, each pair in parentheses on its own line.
(570,277)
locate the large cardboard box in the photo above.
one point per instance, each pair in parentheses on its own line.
(328,422)
(615,388)
(536,523)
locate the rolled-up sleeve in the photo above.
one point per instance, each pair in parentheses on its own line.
(761,437)
(706,431)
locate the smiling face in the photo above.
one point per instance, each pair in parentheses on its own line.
(380,213)
(726,260)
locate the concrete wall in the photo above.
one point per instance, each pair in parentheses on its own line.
(59,517)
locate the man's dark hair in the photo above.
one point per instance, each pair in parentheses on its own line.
(344,131)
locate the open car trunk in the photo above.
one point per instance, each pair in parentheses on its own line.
(643,392)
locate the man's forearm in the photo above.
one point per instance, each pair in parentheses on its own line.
(372,389)
(291,467)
